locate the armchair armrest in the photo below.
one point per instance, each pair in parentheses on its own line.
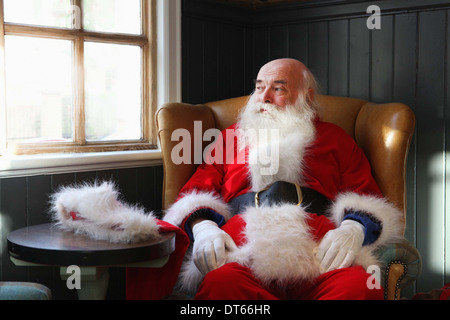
(402,266)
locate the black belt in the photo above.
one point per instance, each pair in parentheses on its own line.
(283,192)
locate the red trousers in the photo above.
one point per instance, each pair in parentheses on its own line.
(236,282)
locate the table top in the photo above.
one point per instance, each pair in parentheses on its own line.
(47,244)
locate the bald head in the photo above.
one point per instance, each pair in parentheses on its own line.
(280,81)
(291,69)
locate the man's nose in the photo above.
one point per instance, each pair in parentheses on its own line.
(267,96)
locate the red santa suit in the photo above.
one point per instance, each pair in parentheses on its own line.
(276,243)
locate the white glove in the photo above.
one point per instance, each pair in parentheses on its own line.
(339,247)
(210,245)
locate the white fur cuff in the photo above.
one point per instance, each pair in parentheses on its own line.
(190,202)
(391,218)
(96,211)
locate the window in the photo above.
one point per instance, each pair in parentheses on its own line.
(77,75)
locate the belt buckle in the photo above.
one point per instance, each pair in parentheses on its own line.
(297,187)
(257,196)
(299,194)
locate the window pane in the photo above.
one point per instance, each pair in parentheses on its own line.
(113,92)
(117,16)
(51,13)
(39,90)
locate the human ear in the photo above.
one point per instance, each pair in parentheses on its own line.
(310,95)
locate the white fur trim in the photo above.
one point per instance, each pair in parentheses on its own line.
(279,248)
(96,211)
(390,217)
(192,201)
(380,208)
(190,277)
(279,245)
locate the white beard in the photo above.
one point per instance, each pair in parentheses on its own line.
(276,139)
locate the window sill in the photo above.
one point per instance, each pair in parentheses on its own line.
(17,166)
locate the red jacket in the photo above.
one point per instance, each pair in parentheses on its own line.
(332,164)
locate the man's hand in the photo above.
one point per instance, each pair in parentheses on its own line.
(340,246)
(210,245)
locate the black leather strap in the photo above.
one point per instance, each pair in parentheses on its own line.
(283,192)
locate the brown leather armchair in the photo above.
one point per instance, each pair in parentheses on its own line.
(383,131)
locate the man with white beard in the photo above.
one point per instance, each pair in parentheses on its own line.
(309,230)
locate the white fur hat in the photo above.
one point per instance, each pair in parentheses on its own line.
(96,211)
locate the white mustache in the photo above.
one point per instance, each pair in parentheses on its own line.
(261,107)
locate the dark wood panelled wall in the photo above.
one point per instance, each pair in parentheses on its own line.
(406,61)
(24,202)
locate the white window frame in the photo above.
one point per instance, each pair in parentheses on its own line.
(168,57)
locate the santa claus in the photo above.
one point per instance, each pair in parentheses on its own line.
(308,229)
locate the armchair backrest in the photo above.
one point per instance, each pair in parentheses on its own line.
(383,131)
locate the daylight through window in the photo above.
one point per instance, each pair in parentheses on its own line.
(77,75)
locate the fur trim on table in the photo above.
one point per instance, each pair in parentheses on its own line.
(96,211)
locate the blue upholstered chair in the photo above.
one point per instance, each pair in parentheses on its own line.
(24,291)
